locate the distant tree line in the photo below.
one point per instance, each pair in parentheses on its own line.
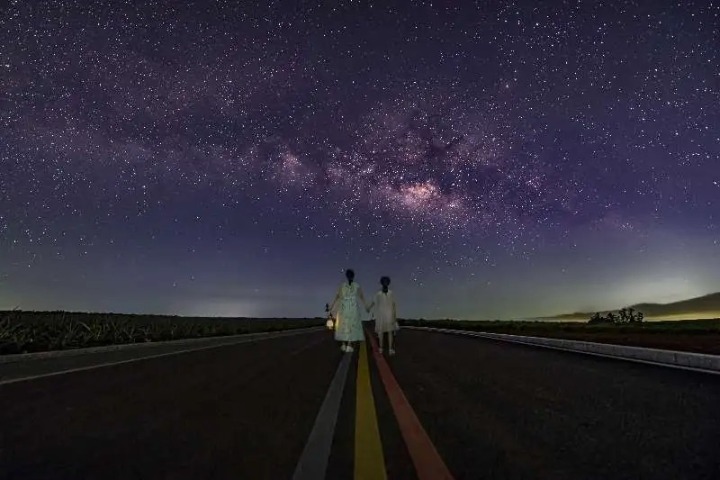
(624,316)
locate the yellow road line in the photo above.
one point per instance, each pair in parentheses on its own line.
(369,459)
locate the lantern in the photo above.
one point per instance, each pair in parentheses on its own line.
(329,324)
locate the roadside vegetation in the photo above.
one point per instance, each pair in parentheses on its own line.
(624,316)
(26,332)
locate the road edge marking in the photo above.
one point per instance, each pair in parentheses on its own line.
(72,352)
(482,336)
(428,463)
(313,461)
(147,357)
(369,457)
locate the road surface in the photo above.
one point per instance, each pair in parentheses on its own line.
(487,409)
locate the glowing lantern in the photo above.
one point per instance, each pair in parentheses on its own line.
(329,324)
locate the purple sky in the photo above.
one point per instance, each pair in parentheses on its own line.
(503,160)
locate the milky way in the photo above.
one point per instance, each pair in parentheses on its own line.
(434,140)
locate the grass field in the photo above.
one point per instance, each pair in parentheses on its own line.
(25,332)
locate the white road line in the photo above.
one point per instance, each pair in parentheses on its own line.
(148,357)
(570,350)
(314,459)
(76,352)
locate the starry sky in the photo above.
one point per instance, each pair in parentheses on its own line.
(497,159)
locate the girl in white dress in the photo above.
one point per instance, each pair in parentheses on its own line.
(348,324)
(385,314)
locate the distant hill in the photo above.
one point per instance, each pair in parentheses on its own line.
(707,306)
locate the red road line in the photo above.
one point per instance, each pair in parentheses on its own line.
(428,463)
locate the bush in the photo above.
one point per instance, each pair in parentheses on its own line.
(625,316)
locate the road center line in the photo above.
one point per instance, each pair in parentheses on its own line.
(314,458)
(369,458)
(428,463)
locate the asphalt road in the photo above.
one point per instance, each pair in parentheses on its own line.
(493,410)
(498,410)
(239,411)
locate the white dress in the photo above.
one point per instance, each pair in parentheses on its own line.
(348,323)
(383,306)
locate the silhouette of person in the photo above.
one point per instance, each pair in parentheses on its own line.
(348,323)
(385,314)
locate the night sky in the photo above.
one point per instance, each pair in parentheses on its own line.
(500,159)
